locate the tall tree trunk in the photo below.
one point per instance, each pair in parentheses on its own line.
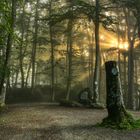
(136,86)
(69,60)
(125,81)
(131,76)
(52,54)
(114,91)
(21,69)
(131,71)
(131,40)
(35,35)
(9,81)
(21,57)
(23,47)
(16,78)
(91,62)
(25,50)
(9,45)
(69,50)
(97,59)
(28,74)
(139,101)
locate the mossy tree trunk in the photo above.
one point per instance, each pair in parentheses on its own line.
(115,104)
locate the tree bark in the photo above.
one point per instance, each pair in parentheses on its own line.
(97,57)
(52,54)
(117,117)
(9,45)
(136,86)
(69,56)
(34,45)
(23,48)
(16,78)
(131,39)
(139,101)
(91,63)
(27,75)
(115,103)
(125,80)
(69,51)
(130,103)
(21,55)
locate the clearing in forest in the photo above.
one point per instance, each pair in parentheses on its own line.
(49,122)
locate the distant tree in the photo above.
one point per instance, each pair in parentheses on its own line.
(97,58)
(35,41)
(21,45)
(52,52)
(131,16)
(93,13)
(69,57)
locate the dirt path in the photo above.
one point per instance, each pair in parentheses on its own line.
(45,122)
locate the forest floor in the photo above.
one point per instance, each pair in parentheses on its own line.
(50,122)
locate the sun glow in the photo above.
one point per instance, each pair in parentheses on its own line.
(124,45)
(86,53)
(114,43)
(108,40)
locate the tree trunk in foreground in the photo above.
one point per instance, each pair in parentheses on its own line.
(8,47)
(115,104)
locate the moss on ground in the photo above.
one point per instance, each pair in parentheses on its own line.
(69,103)
(97,106)
(127,123)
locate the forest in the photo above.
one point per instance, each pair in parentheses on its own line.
(66,56)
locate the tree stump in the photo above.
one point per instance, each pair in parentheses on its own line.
(85,96)
(117,113)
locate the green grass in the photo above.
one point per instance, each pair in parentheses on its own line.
(136,124)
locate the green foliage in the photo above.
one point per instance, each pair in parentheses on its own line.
(2,70)
(74,11)
(128,3)
(5,20)
(79,9)
(136,124)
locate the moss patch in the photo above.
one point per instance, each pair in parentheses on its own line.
(97,106)
(69,103)
(127,123)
